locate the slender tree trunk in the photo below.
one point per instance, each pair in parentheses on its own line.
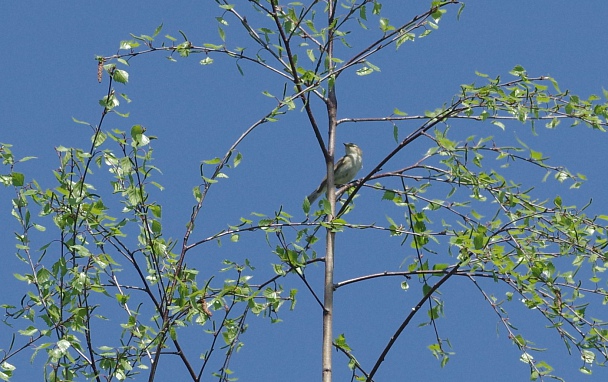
(328,297)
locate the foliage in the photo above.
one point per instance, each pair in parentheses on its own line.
(108,252)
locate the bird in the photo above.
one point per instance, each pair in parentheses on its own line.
(345,170)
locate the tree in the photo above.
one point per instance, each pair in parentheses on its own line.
(460,218)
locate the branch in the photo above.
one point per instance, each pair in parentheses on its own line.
(407,320)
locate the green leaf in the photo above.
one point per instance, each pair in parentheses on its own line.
(426,289)
(553,123)
(311,54)
(196,191)
(213,46)
(438,14)
(29,331)
(385,25)
(536,155)
(184,49)
(122,298)
(120,75)
(404,38)
(80,122)
(587,356)
(364,71)
(306,206)
(585,370)
(499,124)
(20,277)
(137,133)
(128,45)
(157,30)
(63,345)
(156,227)
(460,11)
(98,139)
(17,179)
(557,201)
(237,159)
(399,112)
(518,71)
(7,366)
(215,160)
(377,8)
(156,210)
(340,342)
(555,85)
(109,102)
(440,267)
(362,13)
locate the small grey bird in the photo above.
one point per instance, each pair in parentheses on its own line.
(345,170)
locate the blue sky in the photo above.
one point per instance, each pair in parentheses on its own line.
(198,111)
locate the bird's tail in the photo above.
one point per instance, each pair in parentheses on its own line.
(316,193)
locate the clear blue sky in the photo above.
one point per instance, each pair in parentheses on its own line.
(49,76)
